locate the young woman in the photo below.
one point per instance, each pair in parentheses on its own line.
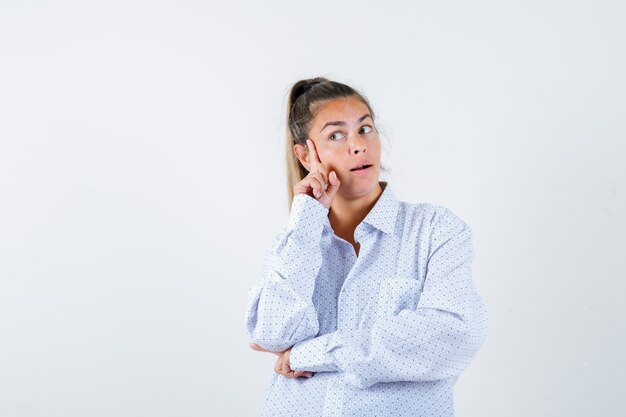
(367,301)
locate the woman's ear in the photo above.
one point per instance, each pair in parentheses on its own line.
(302,152)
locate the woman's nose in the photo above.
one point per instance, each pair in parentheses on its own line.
(357,144)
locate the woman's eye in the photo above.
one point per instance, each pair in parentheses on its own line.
(366,129)
(336,136)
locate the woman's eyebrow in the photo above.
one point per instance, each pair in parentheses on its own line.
(341,123)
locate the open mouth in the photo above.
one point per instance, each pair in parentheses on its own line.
(361,167)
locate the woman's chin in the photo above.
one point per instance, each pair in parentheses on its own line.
(359,188)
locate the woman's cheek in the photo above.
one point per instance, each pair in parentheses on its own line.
(332,167)
(328,160)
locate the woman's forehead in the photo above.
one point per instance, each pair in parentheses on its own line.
(346,109)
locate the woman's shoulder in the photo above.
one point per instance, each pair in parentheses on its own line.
(428,214)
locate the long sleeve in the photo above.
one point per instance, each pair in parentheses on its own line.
(435,340)
(280,310)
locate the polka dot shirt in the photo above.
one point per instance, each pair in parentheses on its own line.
(386,332)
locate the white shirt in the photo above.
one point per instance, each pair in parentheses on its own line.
(387,332)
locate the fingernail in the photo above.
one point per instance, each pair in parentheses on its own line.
(317,193)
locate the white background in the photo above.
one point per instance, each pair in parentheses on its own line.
(142,181)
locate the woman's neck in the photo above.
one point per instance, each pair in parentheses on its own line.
(346,214)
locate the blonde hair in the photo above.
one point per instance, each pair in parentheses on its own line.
(303,95)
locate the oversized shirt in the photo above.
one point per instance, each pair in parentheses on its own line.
(386,332)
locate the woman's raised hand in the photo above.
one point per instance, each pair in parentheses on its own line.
(319,183)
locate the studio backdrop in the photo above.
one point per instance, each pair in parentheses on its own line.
(142,181)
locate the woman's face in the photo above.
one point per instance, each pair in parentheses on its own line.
(345,139)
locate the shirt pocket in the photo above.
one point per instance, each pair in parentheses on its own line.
(397,294)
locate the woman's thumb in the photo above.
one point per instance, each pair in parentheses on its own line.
(334,183)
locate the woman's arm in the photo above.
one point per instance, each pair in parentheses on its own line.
(436,340)
(280,310)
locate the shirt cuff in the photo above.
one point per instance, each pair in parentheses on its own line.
(307,217)
(311,355)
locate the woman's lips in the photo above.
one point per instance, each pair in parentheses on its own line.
(361,170)
(361,167)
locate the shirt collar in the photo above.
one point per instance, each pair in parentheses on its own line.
(383,215)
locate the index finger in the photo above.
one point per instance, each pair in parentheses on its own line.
(314,160)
